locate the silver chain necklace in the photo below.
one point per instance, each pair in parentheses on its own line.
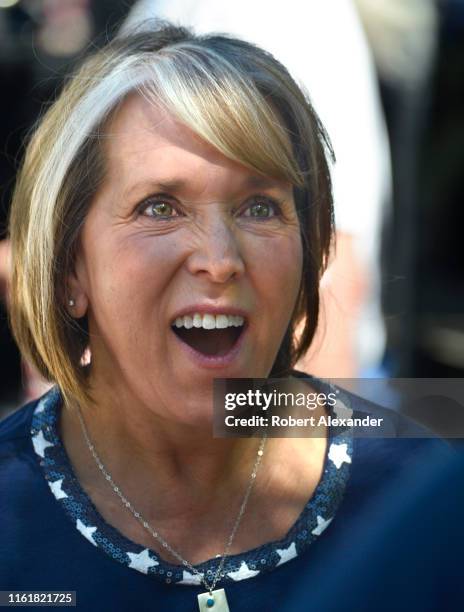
(212,598)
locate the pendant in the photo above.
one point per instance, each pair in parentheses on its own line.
(216,601)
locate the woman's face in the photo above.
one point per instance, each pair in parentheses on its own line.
(177,237)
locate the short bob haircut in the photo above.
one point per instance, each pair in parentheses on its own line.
(233,95)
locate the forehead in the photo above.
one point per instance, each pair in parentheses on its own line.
(138,123)
(143,142)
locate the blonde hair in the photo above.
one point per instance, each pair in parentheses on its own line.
(233,95)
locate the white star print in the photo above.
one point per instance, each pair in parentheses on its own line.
(56,489)
(243,572)
(286,553)
(188,578)
(141,561)
(322,524)
(87,532)
(40,406)
(338,454)
(40,444)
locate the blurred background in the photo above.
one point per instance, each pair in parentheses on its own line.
(417,48)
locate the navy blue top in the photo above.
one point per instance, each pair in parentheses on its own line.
(53,538)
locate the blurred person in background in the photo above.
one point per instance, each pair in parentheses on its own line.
(57,31)
(404,40)
(39,43)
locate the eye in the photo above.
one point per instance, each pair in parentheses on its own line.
(159,208)
(262,208)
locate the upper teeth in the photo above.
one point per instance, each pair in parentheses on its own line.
(209,321)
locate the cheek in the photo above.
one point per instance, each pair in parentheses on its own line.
(128,275)
(290,265)
(277,270)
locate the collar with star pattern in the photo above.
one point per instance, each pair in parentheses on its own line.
(79,508)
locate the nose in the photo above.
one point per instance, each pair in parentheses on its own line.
(216,254)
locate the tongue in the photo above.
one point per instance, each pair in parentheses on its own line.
(216,342)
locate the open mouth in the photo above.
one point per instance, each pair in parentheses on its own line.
(211,335)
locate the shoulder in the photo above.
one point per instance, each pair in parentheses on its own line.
(371,420)
(385,451)
(21,449)
(17,426)
(18,465)
(18,457)
(379,460)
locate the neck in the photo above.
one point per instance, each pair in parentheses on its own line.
(177,477)
(175,464)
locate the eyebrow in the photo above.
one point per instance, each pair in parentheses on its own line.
(162,186)
(177,185)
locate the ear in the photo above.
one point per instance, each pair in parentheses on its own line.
(76,296)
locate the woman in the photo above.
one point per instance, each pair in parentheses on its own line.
(170,226)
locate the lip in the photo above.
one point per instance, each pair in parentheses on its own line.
(213,362)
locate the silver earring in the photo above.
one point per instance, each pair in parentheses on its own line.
(71,303)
